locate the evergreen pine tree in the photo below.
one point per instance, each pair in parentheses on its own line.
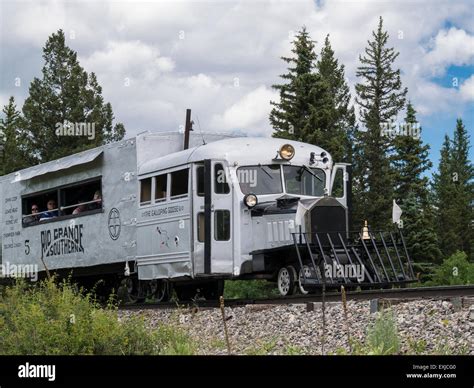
(332,121)
(420,237)
(445,197)
(14,154)
(380,96)
(290,115)
(65,94)
(410,160)
(463,179)
(314,104)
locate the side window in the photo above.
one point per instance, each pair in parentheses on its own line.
(145,191)
(200,227)
(179,184)
(338,185)
(220,180)
(82,198)
(160,187)
(200,180)
(66,201)
(40,207)
(222,225)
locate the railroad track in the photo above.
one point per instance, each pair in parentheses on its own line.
(442,292)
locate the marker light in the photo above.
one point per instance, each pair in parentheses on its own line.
(250,200)
(287,151)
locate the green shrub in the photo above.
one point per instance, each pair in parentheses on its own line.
(382,336)
(50,319)
(247,289)
(423,271)
(455,270)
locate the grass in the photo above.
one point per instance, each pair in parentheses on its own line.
(248,289)
(53,318)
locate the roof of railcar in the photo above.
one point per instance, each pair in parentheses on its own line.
(239,151)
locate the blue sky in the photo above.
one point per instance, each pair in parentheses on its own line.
(154,59)
(439,123)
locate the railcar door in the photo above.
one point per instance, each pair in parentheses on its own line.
(340,183)
(212,219)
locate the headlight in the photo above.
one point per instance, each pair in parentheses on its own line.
(287,151)
(250,200)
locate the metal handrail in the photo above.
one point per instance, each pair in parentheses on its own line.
(39,213)
(80,203)
(63,208)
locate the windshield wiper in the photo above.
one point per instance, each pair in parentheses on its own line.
(266,172)
(311,172)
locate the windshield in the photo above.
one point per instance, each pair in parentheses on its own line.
(304,181)
(299,180)
(260,179)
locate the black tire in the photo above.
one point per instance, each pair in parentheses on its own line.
(286,280)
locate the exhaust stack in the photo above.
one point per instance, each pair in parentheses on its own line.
(187,128)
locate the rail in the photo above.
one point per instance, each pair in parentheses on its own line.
(439,292)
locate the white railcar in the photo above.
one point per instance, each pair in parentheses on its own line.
(149,215)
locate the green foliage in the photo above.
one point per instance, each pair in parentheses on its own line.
(416,347)
(382,336)
(292,350)
(443,348)
(411,161)
(380,96)
(51,319)
(289,115)
(423,272)
(14,156)
(262,348)
(314,104)
(420,237)
(66,93)
(455,270)
(331,124)
(454,194)
(246,289)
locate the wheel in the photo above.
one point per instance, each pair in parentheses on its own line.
(286,280)
(213,290)
(185,293)
(158,290)
(129,291)
(307,273)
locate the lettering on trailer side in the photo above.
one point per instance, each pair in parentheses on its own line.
(62,241)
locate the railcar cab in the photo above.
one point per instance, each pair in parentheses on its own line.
(216,210)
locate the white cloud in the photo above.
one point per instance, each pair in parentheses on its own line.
(186,54)
(129,59)
(467,89)
(450,47)
(250,113)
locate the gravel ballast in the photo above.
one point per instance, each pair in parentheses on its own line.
(424,327)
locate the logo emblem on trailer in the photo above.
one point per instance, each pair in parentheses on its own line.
(115,225)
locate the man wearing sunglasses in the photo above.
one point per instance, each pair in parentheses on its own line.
(33,217)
